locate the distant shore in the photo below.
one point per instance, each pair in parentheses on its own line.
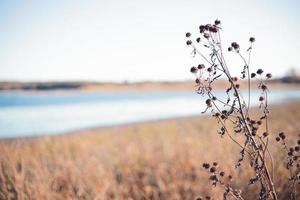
(138,86)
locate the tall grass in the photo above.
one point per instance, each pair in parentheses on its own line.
(160,160)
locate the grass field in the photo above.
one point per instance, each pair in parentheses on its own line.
(155,160)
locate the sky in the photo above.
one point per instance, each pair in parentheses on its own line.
(137,40)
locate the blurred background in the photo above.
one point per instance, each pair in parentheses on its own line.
(124,62)
(97,100)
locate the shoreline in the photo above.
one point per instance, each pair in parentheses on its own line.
(53,87)
(99,129)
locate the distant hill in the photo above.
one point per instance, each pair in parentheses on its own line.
(285,82)
(290,79)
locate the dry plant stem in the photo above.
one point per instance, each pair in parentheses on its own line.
(269,178)
(271,183)
(237,111)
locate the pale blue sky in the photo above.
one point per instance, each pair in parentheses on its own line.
(110,40)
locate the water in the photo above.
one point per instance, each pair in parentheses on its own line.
(32,114)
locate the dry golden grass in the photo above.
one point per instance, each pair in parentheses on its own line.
(157,160)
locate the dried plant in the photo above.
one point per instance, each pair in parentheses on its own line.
(234,114)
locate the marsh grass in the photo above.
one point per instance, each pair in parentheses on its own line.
(158,160)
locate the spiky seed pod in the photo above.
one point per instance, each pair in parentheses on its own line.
(229,48)
(297,148)
(209,69)
(259,122)
(268,75)
(253,75)
(194,70)
(222,174)
(237,86)
(188,42)
(198,39)
(235,79)
(215,164)
(277,139)
(214,98)
(188,34)
(260,71)
(197,80)
(252,39)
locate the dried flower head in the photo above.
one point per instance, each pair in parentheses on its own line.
(217,22)
(194,69)
(235,45)
(281,135)
(261,98)
(213,169)
(198,39)
(208,102)
(188,34)
(188,42)
(202,28)
(229,48)
(268,75)
(252,39)
(205,165)
(206,35)
(260,71)
(201,66)
(253,75)
(264,87)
